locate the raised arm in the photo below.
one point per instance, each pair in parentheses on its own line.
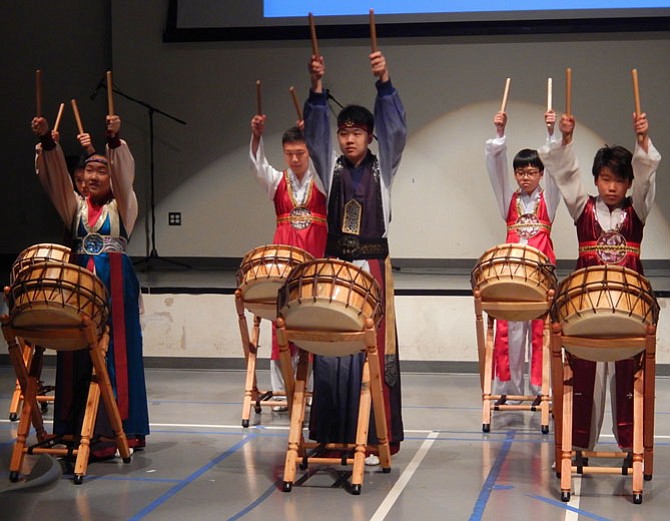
(390,120)
(552,195)
(645,163)
(560,162)
(264,173)
(122,172)
(52,172)
(497,166)
(317,124)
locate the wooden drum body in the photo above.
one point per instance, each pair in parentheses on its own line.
(329,295)
(43,251)
(262,272)
(50,295)
(514,273)
(605,302)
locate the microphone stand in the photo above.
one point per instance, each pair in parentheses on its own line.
(153,254)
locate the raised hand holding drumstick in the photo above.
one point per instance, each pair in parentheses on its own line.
(639,117)
(378,65)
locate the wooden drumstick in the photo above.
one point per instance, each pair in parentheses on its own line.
(38,93)
(373,31)
(636,92)
(80,127)
(312,31)
(568,91)
(296,104)
(259,105)
(59,116)
(110,92)
(503,105)
(549,94)
(636,96)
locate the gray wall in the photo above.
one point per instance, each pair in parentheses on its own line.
(442,204)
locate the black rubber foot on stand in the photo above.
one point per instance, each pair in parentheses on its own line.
(386,470)
(287,487)
(13,476)
(13,417)
(647,477)
(486,427)
(356,490)
(78,479)
(545,429)
(565,496)
(637,499)
(245,423)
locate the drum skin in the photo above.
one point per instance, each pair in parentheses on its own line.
(513,272)
(605,301)
(42,251)
(51,295)
(329,295)
(262,272)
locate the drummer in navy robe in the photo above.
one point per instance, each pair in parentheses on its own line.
(101,224)
(609,230)
(358,183)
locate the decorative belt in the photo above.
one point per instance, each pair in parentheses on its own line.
(525,225)
(301,218)
(95,244)
(351,247)
(592,246)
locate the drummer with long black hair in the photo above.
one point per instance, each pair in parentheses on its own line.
(101,224)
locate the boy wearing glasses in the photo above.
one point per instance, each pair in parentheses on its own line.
(528,211)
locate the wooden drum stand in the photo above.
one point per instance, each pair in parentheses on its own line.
(17,396)
(28,377)
(250,347)
(304,453)
(642,457)
(521,311)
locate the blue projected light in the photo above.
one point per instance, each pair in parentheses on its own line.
(290,8)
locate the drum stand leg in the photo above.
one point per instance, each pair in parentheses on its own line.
(249,348)
(638,433)
(649,401)
(379,408)
(17,396)
(566,433)
(98,349)
(546,376)
(487,376)
(557,392)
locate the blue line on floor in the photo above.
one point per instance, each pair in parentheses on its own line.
(190,479)
(489,484)
(565,506)
(272,488)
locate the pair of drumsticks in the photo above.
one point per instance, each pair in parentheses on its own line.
(568,93)
(75,109)
(315,52)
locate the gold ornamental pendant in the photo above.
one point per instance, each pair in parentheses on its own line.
(353,212)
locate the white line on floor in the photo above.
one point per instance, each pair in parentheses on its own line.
(404,478)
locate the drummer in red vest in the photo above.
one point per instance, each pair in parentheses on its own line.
(609,231)
(529,211)
(300,205)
